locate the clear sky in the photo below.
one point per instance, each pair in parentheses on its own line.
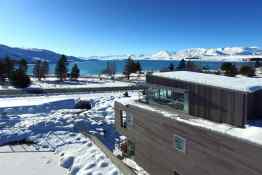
(102,27)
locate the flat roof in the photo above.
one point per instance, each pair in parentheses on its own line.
(239,83)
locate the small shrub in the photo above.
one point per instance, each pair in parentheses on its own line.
(229,69)
(247,71)
(125,94)
(82,104)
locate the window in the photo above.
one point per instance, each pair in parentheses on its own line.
(180,143)
(131,149)
(123,119)
(176,98)
(127,119)
(169,93)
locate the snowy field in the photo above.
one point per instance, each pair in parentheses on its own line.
(53,125)
(52,83)
(21,163)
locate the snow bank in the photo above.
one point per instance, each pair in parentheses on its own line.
(86,159)
(244,84)
(53,124)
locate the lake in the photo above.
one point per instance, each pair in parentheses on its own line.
(94,67)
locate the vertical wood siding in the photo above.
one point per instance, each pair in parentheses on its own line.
(217,104)
(207,152)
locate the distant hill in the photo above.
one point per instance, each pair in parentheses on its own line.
(31,54)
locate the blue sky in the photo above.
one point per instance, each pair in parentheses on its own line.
(102,27)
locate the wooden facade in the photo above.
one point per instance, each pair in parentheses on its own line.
(215,103)
(207,152)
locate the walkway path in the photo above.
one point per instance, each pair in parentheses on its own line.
(58,91)
(30,163)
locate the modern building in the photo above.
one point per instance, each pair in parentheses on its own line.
(191,123)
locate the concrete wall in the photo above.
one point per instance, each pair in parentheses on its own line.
(207,152)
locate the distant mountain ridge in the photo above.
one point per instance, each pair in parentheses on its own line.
(31,54)
(216,54)
(228,53)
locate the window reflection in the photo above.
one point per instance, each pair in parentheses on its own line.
(175,98)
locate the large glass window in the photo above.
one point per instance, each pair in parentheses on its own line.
(123,119)
(127,120)
(176,98)
(130,120)
(131,149)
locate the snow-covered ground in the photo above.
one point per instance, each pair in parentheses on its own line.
(52,83)
(53,125)
(44,163)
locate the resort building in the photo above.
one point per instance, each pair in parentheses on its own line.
(191,123)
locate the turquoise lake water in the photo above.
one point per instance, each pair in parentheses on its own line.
(93,67)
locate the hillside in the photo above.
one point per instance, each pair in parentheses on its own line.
(215,54)
(31,54)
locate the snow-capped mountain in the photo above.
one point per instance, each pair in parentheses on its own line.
(223,52)
(162,54)
(216,54)
(31,54)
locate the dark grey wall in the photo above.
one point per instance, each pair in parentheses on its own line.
(217,104)
(207,152)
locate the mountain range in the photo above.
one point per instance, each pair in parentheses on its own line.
(217,54)
(32,54)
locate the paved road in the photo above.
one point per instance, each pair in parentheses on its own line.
(35,92)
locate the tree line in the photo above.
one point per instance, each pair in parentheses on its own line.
(226,68)
(14,72)
(230,69)
(131,66)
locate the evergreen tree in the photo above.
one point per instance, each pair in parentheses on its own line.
(9,66)
(257,63)
(44,69)
(19,79)
(75,72)
(2,72)
(190,66)
(128,67)
(37,70)
(229,69)
(171,67)
(61,68)
(131,67)
(23,65)
(247,71)
(138,67)
(110,69)
(40,69)
(181,65)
